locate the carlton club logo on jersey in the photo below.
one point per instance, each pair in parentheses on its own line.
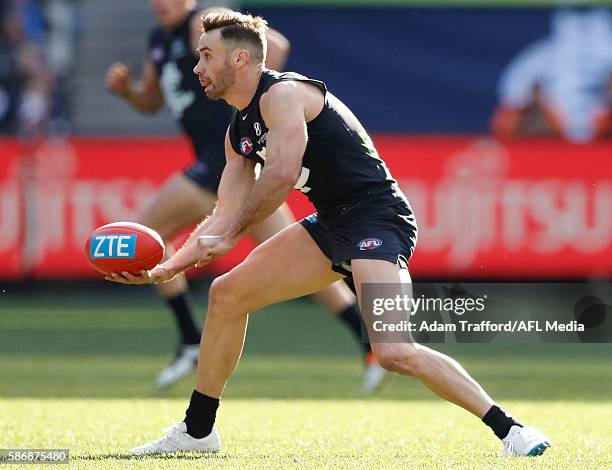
(369,244)
(113,246)
(246,146)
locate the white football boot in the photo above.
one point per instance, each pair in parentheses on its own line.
(525,441)
(185,361)
(373,376)
(177,440)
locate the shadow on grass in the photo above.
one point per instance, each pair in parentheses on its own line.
(126,456)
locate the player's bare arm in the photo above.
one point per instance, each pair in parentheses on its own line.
(207,241)
(145,95)
(278,50)
(283,110)
(236,182)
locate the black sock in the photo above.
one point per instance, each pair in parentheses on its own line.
(499,421)
(183,313)
(201,414)
(352,317)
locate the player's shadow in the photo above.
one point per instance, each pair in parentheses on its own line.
(126,456)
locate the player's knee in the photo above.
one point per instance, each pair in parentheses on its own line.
(226,297)
(220,296)
(400,358)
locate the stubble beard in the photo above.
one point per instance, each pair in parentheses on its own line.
(227,77)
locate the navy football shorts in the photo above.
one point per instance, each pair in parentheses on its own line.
(381,228)
(206,170)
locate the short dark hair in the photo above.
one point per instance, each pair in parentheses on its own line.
(239,28)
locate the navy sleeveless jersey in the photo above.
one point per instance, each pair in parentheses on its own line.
(340,163)
(204,121)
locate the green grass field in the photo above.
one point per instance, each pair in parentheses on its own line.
(76,371)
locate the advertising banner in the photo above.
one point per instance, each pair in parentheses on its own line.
(11,210)
(485,208)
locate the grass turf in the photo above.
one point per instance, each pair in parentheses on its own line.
(79,375)
(308,433)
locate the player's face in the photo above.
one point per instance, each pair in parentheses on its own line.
(170,13)
(214,71)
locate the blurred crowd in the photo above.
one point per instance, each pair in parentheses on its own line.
(561,85)
(37,41)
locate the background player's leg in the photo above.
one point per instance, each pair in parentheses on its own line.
(336,298)
(442,374)
(179,204)
(286,266)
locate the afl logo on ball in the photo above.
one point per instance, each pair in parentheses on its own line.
(246,146)
(369,244)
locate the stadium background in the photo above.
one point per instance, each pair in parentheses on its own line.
(425,82)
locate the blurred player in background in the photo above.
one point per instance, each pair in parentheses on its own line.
(189,196)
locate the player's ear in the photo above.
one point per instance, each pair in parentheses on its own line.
(242,57)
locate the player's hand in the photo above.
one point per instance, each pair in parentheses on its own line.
(154,276)
(119,78)
(211,247)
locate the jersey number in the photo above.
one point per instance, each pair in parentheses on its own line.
(301,182)
(304,174)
